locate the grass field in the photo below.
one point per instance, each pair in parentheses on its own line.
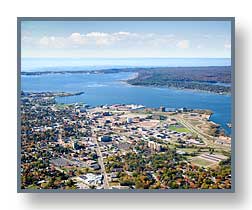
(201,162)
(179,129)
(189,150)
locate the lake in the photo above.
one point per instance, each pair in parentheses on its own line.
(103,89)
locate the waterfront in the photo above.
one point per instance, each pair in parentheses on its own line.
(103,89)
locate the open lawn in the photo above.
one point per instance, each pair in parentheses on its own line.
(179,129)
(201,162)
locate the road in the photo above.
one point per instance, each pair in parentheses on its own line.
(208,140)
(101,163)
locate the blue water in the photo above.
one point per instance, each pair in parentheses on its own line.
(59,64)
(109,89)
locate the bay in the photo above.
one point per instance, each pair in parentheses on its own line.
(101,89)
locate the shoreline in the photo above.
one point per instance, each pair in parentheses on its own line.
(139,74)
(67,94)
(181,89)
(117,70)
(51,93)
(125,81)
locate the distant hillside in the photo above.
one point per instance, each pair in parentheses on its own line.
(213,79)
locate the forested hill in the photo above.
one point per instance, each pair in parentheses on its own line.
(214,79)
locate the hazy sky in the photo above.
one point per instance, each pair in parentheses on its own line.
(114,39)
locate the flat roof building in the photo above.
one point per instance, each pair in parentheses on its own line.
(105,138)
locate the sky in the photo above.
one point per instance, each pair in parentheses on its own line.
(126,39)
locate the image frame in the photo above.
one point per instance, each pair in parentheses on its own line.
(21,19)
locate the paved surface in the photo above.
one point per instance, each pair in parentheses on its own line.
(101,163)
(208,140)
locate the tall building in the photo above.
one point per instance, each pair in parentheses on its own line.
(154,146)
